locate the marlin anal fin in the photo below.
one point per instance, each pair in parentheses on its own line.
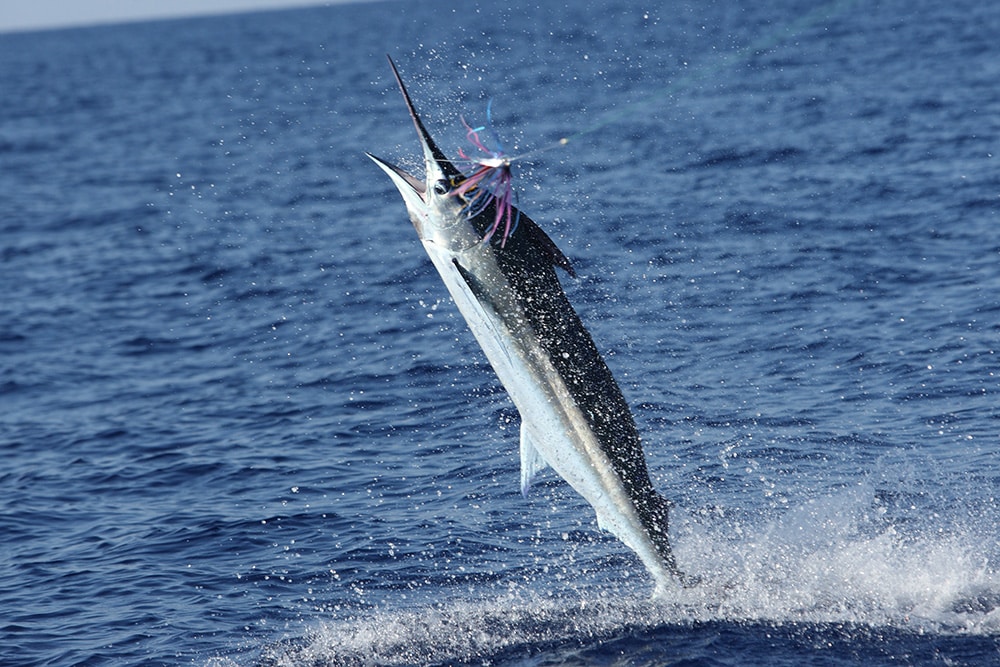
(531,461)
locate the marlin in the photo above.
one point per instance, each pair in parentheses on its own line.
(574,418)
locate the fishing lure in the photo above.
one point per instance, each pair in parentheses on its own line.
(489,183)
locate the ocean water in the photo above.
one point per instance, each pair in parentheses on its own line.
(241,423)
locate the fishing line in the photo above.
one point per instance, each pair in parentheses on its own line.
(741,55)
(490,184)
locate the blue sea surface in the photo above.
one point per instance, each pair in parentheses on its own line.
(241,422)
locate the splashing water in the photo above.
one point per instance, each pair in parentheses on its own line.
(818,568)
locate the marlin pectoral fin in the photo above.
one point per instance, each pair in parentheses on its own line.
(531,461)
(471,280)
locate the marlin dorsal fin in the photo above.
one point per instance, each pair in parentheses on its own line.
(548,246)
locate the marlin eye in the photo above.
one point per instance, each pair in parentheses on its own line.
(442,187)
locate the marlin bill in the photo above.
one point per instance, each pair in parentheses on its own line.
(500,268)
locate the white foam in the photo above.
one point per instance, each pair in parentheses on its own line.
(828,562)
(825,562)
